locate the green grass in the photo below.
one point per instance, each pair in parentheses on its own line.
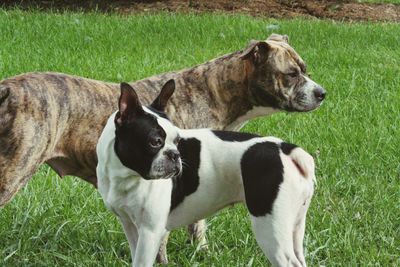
(354,217)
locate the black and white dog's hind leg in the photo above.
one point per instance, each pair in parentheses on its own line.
(298,234)
(280,232)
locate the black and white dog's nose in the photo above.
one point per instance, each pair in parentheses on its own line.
(173,155)
(319,93)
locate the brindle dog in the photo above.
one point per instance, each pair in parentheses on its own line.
(57,119)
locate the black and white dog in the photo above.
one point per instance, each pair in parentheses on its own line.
(156,177)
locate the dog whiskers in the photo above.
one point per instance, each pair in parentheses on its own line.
(184,164)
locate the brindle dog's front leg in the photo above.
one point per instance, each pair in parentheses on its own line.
(162,252)
(197,231)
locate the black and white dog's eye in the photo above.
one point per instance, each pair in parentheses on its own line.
(156,142)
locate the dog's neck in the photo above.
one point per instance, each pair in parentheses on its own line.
(119,171)
(229,94)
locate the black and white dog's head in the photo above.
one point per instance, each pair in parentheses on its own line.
(144,141)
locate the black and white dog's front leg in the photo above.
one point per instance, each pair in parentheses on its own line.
(148,245)
(131,233)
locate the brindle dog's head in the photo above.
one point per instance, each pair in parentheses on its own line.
(278,76)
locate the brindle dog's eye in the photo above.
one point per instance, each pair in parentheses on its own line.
(156,142)
(293,74)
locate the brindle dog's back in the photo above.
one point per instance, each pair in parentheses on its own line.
(50,117)
(57,118)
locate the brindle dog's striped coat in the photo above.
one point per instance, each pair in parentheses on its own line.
(57,118)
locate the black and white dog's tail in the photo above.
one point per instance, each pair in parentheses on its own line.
(304,163)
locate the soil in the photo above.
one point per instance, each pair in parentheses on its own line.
(327,9)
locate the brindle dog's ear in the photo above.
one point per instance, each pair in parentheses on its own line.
(278,38)
(255,50)
(162,99)
(129,105)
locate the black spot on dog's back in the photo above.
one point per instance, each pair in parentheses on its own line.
(287,147)
(262,173)
(188,182)
(234,136)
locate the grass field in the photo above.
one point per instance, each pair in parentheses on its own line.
(354,217)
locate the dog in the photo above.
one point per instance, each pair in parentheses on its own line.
(57,119)
(141,179)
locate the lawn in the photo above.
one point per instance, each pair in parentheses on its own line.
(354,216)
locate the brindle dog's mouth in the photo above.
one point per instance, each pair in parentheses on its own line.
(301,108)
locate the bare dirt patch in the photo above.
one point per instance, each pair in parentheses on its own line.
(337,10)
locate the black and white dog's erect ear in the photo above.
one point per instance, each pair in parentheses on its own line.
(162,99)
(128,105)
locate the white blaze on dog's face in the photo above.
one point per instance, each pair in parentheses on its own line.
(275,62)
(168,153)
(144,141)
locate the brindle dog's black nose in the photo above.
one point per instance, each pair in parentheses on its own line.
(173,155)
(319,93)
